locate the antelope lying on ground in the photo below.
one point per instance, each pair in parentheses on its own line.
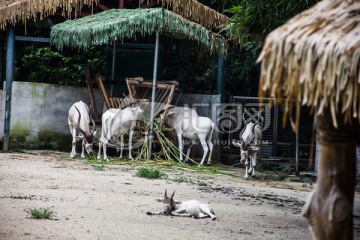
(79,117)
(190,208)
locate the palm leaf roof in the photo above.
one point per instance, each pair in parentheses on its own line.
(314,59)
(195,11)
(119,24)
(13,11)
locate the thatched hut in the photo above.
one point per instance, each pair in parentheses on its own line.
(314,60)
(195,21)
(119,24)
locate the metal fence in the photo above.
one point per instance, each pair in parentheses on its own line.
(279,141)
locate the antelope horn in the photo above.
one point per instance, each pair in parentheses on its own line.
(165,193)
(91,119)
(173,194)
(82,131)
(260,119)
(243,117)
(93,123)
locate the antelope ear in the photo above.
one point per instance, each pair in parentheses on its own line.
(254,148)
(236,144)
(173,194)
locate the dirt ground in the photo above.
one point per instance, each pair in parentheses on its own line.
(112,203)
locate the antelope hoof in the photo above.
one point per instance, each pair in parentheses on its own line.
(72,156)
(82,156)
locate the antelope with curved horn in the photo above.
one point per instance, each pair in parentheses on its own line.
(190,208)
(250,142)
(79,117)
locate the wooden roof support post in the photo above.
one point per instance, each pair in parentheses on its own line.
(329,208)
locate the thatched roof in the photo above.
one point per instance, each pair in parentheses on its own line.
(19,10)
(118,24)
(195,11)
(315,59)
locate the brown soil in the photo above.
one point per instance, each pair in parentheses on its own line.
(112,203)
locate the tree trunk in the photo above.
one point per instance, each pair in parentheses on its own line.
(330,205)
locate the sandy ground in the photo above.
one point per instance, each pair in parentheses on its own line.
(112,204)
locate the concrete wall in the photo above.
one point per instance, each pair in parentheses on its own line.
(38,106)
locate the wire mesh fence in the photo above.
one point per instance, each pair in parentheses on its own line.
(279,139)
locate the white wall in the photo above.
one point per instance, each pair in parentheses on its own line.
(37,106)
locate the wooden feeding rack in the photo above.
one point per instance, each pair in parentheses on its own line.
(110,102)
(138,89)
(141,89)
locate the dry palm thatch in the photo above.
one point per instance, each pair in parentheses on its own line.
(195,11)
(119,24)
(314,59)
(19,10)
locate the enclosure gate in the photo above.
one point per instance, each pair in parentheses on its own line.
(278,142)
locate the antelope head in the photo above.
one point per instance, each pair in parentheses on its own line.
(170,203)
(87,136)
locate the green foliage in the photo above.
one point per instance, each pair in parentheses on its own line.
(99,167)
(196,71)
(43,64)
(251,21)
(41,213)
(288,167)
(150,173)
(180,179)
(241,74)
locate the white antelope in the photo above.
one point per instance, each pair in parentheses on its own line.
(116,123)
(250,142)
(189,125)
(79,117)
(190,208)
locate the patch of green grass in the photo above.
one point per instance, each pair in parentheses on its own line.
(41,213)
(201,183)
(99,167)
(150,173)
(179,179)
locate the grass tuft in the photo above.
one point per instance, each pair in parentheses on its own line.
(150,173)
(99,167)
(41,213)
